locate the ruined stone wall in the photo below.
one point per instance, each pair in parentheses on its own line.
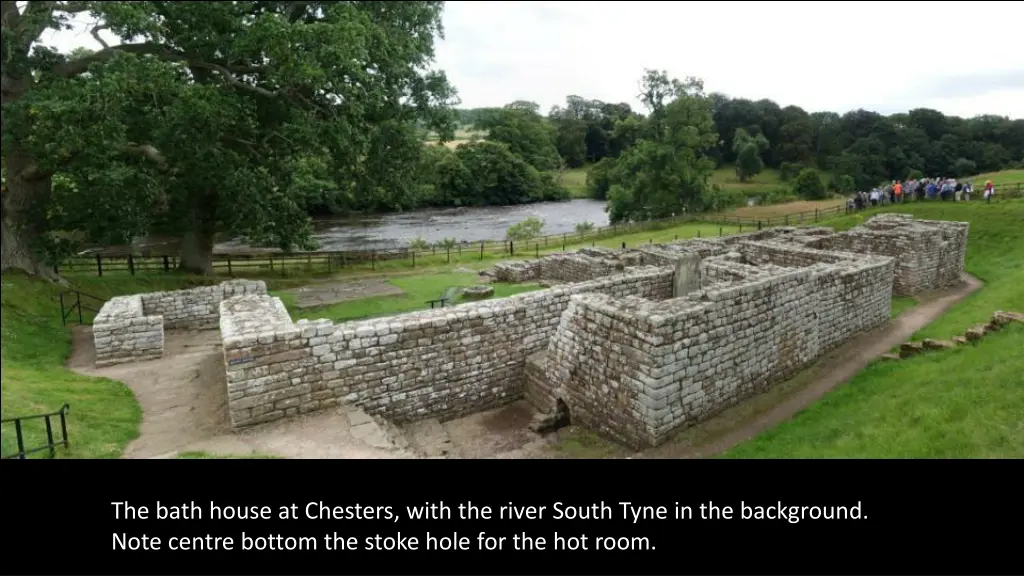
(197,308)
(121,333)
(665,365)
(929,254)
(438,363)
(267,361)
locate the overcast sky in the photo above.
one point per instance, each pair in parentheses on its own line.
(962,58)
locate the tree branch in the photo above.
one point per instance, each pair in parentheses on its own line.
(96,35)
(34,173)
(231,80)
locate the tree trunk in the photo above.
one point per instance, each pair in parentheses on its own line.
(19,233)
(197,251)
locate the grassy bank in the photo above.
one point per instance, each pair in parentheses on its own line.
(961,403)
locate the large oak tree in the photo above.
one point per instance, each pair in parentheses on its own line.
(208,117)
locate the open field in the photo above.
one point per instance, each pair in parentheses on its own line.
(998,178)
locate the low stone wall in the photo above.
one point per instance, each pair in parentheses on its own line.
(122,333)
(131,328)
(197,308)
(439,363)
(636,371)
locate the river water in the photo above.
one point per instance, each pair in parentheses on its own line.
(390,231)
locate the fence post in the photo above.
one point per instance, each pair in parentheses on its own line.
(21,439)
(271,262)
(758,224)
(698,233)
(623,245)
(78,303)
(413,258)
(131,264)
(511,248)
(64,425)
(481,249)
(373,260)
(63,319)
(167,264)
(448,251)
(230,272)
(49,437)
(787,219)
(719,230)
(99,265)
(563,241)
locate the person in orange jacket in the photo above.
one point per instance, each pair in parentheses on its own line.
(897,191)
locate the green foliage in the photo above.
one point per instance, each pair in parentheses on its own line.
(789,170)
(419,243)
(748,150)
(808,185)
(666,172)
(488,173)
(583,227)
(964,167)
(525,132)
(220,117)
(915,174)
(526,230)
(447,243)
(599,179)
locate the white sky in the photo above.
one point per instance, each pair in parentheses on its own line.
(961,58)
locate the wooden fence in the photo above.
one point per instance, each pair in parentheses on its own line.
(271,262)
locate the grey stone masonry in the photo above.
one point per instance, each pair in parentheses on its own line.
(131,328)
(929,253)
(197,308)
(121,333)
(636,344)
(636,371)
(439,363)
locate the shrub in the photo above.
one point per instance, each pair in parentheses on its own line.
(808,185)
(525,230)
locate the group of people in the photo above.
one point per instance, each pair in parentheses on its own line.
(946,189)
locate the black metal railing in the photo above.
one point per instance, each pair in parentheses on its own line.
(71,306)
(50,445)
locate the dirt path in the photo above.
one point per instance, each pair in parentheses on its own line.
(184,408)
(745,421)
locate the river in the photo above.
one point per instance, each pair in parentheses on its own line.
(390,231)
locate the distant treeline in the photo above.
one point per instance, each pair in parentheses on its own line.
(518,153)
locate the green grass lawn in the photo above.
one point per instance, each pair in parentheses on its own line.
(998,178)
(901,304)
(961,403)
(575,181)
(418,290)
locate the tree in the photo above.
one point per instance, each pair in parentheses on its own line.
(667,170)
(203,120)
(748,150)
(488,173)
(808,185)
(525,132)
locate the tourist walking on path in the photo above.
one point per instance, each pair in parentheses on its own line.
(990,191)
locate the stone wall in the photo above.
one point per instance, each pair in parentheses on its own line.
(439,363)
(131,328)
(197,308)
(636,371)
(122,333)
(929,254)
